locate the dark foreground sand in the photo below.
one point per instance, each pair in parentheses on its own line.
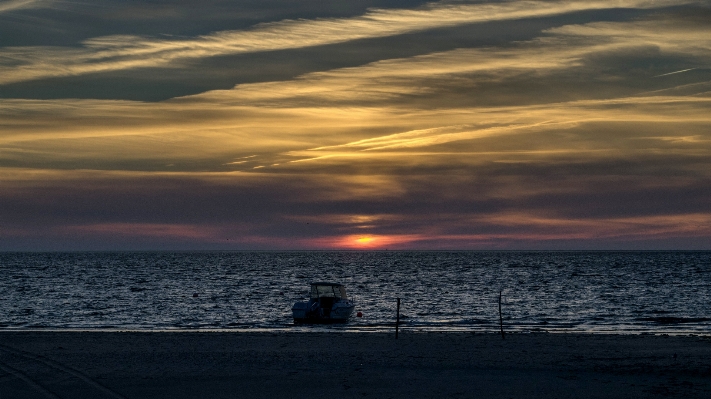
(350,365)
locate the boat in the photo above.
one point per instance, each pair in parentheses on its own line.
(328,303)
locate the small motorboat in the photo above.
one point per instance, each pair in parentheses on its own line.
(328,304)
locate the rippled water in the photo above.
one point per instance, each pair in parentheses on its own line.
(551,291)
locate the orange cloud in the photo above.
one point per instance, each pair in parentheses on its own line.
(155,230)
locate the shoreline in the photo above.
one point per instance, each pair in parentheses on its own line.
(229,364)
(363,330)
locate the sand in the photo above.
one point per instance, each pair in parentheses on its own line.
(180,365)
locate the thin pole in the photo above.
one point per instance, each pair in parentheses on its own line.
(501,318)
(397,320)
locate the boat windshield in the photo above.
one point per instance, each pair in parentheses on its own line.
(333,291)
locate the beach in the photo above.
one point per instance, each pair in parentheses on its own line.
(180,365)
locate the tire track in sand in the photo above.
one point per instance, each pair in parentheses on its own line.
(56,365)
(29,381)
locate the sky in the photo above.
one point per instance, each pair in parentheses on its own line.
(355,124)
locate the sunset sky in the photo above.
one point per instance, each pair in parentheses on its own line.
(355,124)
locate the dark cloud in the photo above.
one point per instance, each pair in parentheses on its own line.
(224,72)
(309,207)
(69,22)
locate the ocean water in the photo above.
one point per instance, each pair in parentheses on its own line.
(656,292)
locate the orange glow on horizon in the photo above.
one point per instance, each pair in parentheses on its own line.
(366,241)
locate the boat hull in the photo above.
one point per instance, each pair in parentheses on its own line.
(308,313)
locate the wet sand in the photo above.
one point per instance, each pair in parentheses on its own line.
(351,365)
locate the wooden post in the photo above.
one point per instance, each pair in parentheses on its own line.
(501,318)
(397,320)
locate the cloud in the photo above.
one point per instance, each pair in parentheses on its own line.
(11,5)
(422,105)
(296,212)
(570,48)
(551,117)
(410,104)
(468,148)
(162,230)
(669,36)
(675,72)
(121,52)
(442,135)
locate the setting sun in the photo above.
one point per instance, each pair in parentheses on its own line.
(370,242)
(365,240)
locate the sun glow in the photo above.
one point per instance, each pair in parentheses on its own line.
(365,240)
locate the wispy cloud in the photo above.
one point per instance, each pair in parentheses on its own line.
(11,5)
(675,72)
(671,37)
(565,48)
(172,231)
(442,135)
(113,53)
(408,104)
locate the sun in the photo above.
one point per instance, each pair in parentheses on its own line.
(365,240)
(370,242)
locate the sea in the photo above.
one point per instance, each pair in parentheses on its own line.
(594,292)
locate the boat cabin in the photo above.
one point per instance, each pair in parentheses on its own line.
(326,294)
